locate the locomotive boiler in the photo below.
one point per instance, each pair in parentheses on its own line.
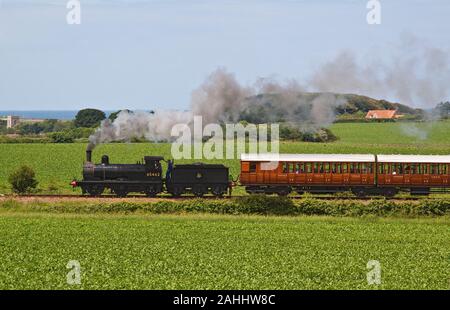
(143,177)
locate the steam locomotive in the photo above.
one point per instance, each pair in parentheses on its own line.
(363,174)
(147,177)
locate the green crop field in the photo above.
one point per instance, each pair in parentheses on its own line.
(57,164)
(122,246)
(221,252)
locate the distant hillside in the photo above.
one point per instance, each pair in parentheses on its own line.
(277,108)
(358,103)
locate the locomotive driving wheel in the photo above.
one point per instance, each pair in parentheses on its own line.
(121,191)
(95,190)
(152,191)
(199,191)
(177,191)
(219,190)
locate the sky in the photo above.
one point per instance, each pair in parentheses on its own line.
(151,54)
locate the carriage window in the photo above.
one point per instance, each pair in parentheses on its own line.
(364,168)
(433,169)
(327,168)
(393,169)
(316,167)
(413,169)
(444,169)
(354,168)
(424,168)
(418,170)
(380,168)
(291,168)
(338,168)
(407,169)
(301,168)
(333,168)
(252,167)
(285,167)
(308,168)
(320,167)
(344,168)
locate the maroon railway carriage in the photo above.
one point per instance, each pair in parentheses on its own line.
(330,173)
(417,173)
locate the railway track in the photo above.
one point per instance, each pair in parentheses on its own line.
(163,197)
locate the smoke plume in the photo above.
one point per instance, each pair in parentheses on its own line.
(416,75)
(154,126)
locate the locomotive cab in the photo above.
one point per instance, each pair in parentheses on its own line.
(153,165)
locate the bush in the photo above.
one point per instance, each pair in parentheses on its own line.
(262,204)
(23,180)
(61,137)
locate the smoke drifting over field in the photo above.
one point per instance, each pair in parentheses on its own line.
(417,75)
(222,99)
(128,125)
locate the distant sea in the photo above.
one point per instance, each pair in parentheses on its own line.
(62,115)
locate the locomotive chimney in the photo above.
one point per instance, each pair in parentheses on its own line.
(88,156)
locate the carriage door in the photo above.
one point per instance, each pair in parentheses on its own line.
(365,168)
(291,173)
(444,174)
(252,172)
(318,173)
(407,170)
(327,171)
(345,173)
(355,173)
(397,174)
(387,168)
(300,173)
(435,175)
(425,174)
(336,173)
(309,173)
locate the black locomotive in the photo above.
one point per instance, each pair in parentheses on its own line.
(147,178)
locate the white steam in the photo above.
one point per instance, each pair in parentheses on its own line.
(418,76)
